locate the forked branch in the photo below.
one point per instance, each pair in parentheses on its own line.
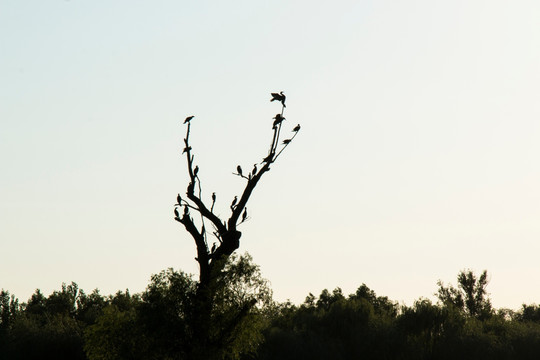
(226,231)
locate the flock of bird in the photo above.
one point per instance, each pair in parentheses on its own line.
(278,119)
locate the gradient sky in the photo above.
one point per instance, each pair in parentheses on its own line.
(418,155)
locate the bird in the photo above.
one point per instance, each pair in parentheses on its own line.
(196,170)
(179,199)
(254,169)
(239,169)
(286,141)
(279,97)
(296,128)
(278,120)
(188,119)
(234,202)
(214,197)
(244,215)
(187,148)
(176,212)
(269,158)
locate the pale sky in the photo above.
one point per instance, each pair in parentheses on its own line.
(418,155)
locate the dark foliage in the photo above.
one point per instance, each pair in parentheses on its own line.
(69,324)
(462,325)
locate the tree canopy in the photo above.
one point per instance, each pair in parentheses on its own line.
(156,324)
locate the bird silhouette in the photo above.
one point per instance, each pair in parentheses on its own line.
(239,169)
(213,202)
(286,141)
(279,97)
(269,157)
(179,199)
(234,202)
(296,128)
(196,170)
(278,120)
(188,119)
(176,212)
(254,171)
(244,215)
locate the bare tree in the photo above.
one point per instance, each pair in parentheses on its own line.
(212,260)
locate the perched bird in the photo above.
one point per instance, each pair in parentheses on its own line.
(254,171)
(296,128)
(269,158)
(187,148)
(188,119)
(176,212)
(234,202)
(286,141)
(279,97)
(196,170)
(278,120)
(239,169)
(179,199)
(244,215)
(214,197)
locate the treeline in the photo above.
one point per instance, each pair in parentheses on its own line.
(366,326)
(70,324)
(156,324)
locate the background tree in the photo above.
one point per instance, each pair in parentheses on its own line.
(116,333)
(46,327)
(205,343)
(9,311)
(158,323)
(470,295)
(334,326)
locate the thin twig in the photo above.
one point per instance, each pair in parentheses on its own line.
(287,144)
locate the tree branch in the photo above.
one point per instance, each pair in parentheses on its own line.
(191,189)
(202,249)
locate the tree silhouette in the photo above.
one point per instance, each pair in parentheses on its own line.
(470,296)
(205,342)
